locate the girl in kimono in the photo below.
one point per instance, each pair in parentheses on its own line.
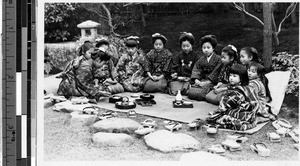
(239,105)
(130,67)
(228,58)
(158,65)
(183,64)
(78,77)
(258,82)
(247,55)
(202,79)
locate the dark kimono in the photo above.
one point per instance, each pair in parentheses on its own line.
(237,109)
(203,71)
(131,71)
(182,65)
(158,63)
(78,79)
(222,73)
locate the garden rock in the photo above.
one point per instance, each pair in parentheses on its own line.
(167,141)
(112,139)
(68,106)
(202,156)
(85,119)
(115,125)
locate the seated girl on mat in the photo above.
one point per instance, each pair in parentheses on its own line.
(130,67)
(239,105)
(258,82)
(228,58)
(247,55)
(201,78)
(183,64)
(158,64)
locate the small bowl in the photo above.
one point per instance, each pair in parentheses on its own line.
(187,102)
(212,130)
(116,97)
(181,78)
(134,95)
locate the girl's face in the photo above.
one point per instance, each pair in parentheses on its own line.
(252,73)
(225,58)
(131,50)
(245,58)
(87,54)
(186,46)
(207,48)
(158,45)
(234,79)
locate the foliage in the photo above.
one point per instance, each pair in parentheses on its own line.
(57,21)
(287,62)
(58,55)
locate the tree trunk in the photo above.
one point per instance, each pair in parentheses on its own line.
(109,19)
(267,54)
(143,16)
(274,27)
(294,18)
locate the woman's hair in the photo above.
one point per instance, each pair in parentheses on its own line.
(209,38)
(102,42)
(231,51)
(100,54)
(251,51)
(185,36)
(132,41)
(261,71)
(84,48)
(241,70)
(159,36)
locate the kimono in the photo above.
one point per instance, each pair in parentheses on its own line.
(237,109)
(203,71)
(182,65)
(258,87)
(158,63)
(78,79)
(131,71)
(222,73)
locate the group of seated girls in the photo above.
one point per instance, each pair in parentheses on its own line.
(236,83)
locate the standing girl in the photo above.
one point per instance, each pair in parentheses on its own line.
(202,78)
(239,105)
(183,64)
(158,64)
(258,82)
(228,58)
(130,67)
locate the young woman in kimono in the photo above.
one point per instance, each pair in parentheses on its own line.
(78,77)
(158,65)
(228,57)
(130,67)
(248,54)
(202,79)
(183,64)
(239,105)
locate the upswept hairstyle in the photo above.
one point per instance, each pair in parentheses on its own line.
(209,38)
(251,51)
(241,70)
(185,36)
(159,36)
(232,52)
(261,71)
(101,42)
(132,41)
(100,54)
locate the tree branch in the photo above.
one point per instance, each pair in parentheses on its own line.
(289,11)
(94,11)
(247,13)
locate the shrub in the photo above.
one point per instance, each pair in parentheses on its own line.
(284,61)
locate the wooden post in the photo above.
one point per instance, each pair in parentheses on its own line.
(267,51)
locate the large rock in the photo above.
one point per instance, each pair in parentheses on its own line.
(167,141)
(85,119)
(202,157)
(115,125)
(68,106)
(112,139)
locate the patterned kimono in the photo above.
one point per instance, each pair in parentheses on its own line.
(258,87)
(182,65)
(222,73)
(78,79)
(158,63)
(237,109)
(203,71)
(131,71)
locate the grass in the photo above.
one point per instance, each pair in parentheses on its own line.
(65,141)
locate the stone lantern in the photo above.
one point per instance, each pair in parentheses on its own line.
(88,30)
